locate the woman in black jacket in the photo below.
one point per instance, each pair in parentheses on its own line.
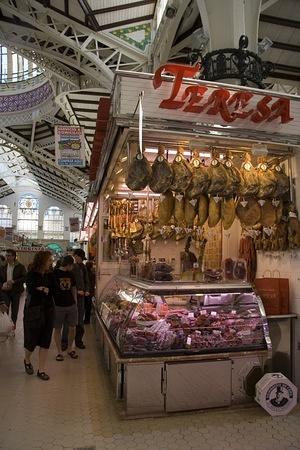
(39,312)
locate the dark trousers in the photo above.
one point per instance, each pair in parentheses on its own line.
(87,308)
(80,325)
(12,299)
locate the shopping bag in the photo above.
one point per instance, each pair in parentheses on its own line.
(6,325)
(274,292)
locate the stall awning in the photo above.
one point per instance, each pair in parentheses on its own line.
(101,125)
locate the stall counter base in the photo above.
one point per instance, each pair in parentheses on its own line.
(158,384)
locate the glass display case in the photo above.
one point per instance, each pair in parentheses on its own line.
(166,318)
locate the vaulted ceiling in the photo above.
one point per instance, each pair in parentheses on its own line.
(80,44)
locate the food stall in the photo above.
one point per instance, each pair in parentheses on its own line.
(195,182)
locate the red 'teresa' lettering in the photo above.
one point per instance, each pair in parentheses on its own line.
(179,71)
(282,110)
(240,100)
(197,93)
(230,106)
(263,111)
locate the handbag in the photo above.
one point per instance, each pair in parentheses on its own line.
(33,315)
(6,325)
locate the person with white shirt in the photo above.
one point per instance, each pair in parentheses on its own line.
(12,278)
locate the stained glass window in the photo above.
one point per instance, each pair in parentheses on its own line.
(53,226)
(28,216)
(5,217)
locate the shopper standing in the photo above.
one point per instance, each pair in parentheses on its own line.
(90,267)
(39,312)
(82,285)
(12,278)
(65,306)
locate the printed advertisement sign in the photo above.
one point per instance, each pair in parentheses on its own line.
(69,146)
(74,224)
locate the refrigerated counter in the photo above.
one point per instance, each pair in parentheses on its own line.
(175,346)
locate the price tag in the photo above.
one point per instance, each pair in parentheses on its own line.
(193,202)
(189,340)
(246,332)
(179,197)
(203,312)
(233,311)
(191,315)
(213,313)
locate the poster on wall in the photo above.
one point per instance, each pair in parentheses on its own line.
(69,146)
(74,224)
(9,231)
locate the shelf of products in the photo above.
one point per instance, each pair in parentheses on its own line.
(175,318)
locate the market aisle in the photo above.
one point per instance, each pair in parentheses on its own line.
(75,409)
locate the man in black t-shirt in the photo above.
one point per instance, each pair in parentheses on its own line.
(65,306)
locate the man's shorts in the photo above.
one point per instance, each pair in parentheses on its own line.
(66,315)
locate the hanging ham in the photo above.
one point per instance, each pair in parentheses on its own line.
(162,173)
(200,179)
(182,173)
(218,177)
(282,180)
(202,209)
(233,178)
(267,180)
(249,179)
(214,211)
(166,208)
(139,172)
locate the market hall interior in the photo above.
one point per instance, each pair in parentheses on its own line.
(164,146)
(77,410)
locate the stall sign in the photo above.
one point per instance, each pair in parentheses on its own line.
(185,100)
(69,146)
(74,224)
(276,394)
(229,105)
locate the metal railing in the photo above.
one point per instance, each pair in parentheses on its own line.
(20,76)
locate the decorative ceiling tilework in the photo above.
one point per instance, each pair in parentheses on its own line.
(138,36)
(25,100)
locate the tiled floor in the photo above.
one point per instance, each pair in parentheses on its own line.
(75,409)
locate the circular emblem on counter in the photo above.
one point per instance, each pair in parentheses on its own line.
(278,396)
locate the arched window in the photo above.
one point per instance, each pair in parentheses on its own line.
(53,226)
(28,216)
(14,67)
(5,217)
